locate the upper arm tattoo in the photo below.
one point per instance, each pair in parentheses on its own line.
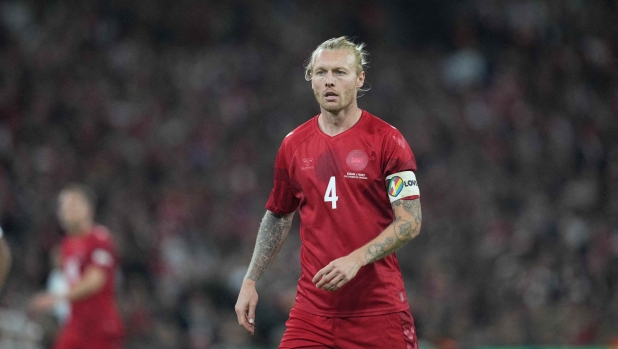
(405,228)
(273,231)
(408,226)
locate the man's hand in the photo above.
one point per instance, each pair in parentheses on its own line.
(245,305)
(44,301)
(338,272)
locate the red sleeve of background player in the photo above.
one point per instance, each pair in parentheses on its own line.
(282,199)
(102,253)
(398,162)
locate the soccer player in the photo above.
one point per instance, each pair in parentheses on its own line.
(89,263)
(351,177)
(5,259)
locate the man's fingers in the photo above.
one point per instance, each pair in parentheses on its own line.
(334,283)
(246,321)
(324,280)
(251,314)
(330,280)
(240,314)
(319,274)
(249,327)
(341,282)
(245,306)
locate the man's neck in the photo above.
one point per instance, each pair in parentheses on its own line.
(335,123)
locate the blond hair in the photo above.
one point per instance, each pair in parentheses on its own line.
(340,43)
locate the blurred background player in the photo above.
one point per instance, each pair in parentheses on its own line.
(89,263)
(5,259)
(351,177)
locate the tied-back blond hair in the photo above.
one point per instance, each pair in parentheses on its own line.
(340,43)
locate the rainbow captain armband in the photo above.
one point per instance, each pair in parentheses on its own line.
(402,185)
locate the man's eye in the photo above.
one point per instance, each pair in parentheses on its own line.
(319,73)
(340,72)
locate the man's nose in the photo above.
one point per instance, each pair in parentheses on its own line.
(330,81)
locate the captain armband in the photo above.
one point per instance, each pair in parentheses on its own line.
(402,185)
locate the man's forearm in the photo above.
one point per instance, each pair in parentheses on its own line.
(404,228)
(92,282)
(273,231)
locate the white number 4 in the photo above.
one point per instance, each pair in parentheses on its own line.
(331,193)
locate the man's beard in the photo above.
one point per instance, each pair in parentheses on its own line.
(333,108)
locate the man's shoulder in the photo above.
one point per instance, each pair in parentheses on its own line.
(375,125)
(100,235)
(300,133)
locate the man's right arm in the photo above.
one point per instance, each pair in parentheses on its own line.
(273,232)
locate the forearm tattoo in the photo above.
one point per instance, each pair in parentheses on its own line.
(404,230)
(273,231)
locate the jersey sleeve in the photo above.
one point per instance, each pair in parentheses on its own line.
(102,253)
(282,199)
(398,161)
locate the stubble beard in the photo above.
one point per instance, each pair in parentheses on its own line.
(347,96)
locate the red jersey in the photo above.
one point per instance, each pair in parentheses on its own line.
(338,184)
(95,317)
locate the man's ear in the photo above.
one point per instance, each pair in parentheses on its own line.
(361,80)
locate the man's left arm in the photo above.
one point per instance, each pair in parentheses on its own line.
(91,283)
(405,227)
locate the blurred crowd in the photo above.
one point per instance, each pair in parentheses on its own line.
(173,111)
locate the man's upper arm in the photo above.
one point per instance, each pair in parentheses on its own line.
(405,208)
(282,199)
(102,252)
(402,185)
(407,216)
(281,216)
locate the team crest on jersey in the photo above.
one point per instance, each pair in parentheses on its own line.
(307,164)
(357,160)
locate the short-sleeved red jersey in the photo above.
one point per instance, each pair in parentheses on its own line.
(94,317)
(338,186)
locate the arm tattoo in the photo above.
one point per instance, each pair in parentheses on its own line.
(404,229)
(273,231)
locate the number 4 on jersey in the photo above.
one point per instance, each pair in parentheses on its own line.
(331,193)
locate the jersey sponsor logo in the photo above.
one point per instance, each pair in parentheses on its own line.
(308,164)
(357,160)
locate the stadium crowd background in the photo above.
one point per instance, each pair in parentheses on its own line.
(173,112)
